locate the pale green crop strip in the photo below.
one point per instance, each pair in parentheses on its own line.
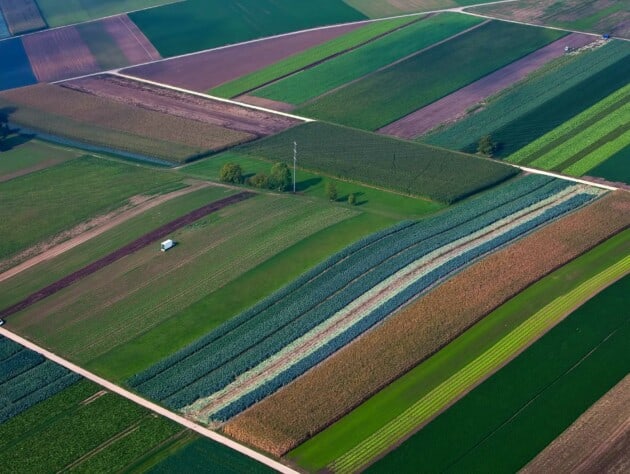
(584,139)
(301,60)
(598,156)
(483,366)
(621,96)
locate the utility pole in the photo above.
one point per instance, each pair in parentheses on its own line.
(294,163)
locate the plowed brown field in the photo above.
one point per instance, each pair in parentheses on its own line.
(317,399)
(131,41)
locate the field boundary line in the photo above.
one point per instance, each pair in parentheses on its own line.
(207,96)
(562,176)
(149,405)
(477,370)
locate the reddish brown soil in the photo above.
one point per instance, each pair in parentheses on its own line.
(203,71)
(22,16)
(184,105)
(454,106)
(128,249)
(131,41)
(59,54)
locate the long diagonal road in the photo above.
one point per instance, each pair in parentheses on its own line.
(150,405)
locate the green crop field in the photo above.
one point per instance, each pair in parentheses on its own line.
(394,404)
(313,82)
(567,370)
(615,142)
(22,155)
(614,168)
(212,23)
(312,55)
(135,294)
(42,204)
(542,102)
(311,184)
(372,103)
(73,430)
(58,13)
(203,455)
(380,161)
(381,8)
(234,297)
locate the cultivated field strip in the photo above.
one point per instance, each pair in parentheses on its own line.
(27,378)
(22,16)
(304,323)
(4,28)
(134,246)
(480,368)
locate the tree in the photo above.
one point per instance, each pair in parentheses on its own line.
(260,180)
(231,173)
(486,146)
(280,178)
(352,199)
(331,190)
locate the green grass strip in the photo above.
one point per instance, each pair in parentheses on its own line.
(598,156)
(584,139)
(313,82)
(560,134)
(481,367)
(303,59)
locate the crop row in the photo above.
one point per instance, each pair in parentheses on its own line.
(487,363)
(591,76)
(219,362)
(560,134)
(313,82)
(20,362)
(428,280)
(8,348)
(309,404)
(347,265)
(305,58)
(599,155)
(584,139)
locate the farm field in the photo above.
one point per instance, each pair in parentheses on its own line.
(4,28)
(310,83)
(236,60)
(536,106)
(23,155)
(187,106)
(233,22)
(456,105)
(289,417)
(572,366)
(363,34)
(585,141)
(594,442)
(337,301)
(67,194)
(384,162)
(614,168)
(18,70)
(85,118)
(600,16)
(113,303)
(77,11)
(372,103)
(378,8)
(369,199)
(22,16)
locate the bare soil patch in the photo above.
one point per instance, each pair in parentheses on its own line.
(455,106)
(128,249)
(598,441)
(131,41)
(59,54)
(203,71)
(314,401)
(22,16)
(183,105)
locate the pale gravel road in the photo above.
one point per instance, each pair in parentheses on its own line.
(149,405)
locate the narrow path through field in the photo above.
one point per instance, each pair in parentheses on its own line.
(99,229)
(149,405)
